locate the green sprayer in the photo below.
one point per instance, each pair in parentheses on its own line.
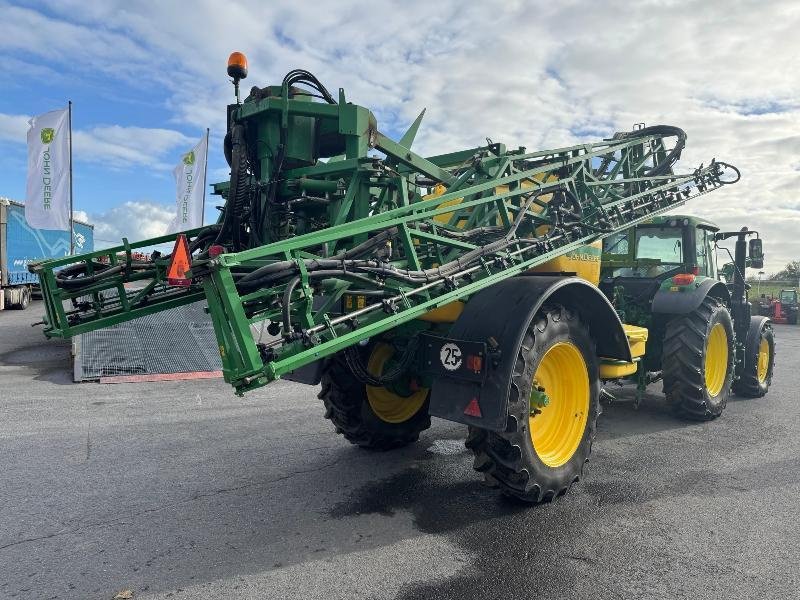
(461,285)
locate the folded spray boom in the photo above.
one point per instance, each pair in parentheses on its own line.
(321,208)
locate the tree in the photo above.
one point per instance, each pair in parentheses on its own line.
(790,273)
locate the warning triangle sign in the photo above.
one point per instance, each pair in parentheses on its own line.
(180,264)
(473,409)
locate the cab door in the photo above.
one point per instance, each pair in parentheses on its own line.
(705,257)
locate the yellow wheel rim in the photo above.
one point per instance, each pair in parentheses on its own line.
(716,363)
(763,361)
(387,405)
(557,431)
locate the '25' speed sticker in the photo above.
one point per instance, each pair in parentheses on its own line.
(450,356)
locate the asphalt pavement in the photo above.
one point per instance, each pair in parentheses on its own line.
(183,490)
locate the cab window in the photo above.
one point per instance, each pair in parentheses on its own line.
(712,255)
(616,244)
(702,256)
(705,255)
(664,244)
(661,245)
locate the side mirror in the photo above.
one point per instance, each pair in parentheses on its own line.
(756,254)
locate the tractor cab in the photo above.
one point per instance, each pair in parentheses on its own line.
(661,247)
(787,308)
(637,262)
(788,297)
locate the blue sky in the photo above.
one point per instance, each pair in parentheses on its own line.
(106,110)
(146,79)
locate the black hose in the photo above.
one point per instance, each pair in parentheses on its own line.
(662,131)
(292,285)
(237,193)
(353,358)
(66,278)
(306,78)
(285,268)
(282,269)
(721,166)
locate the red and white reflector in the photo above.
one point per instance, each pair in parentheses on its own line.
(473,409)
(181,262)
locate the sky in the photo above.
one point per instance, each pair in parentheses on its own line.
(147,78)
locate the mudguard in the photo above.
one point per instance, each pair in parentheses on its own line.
(499,316)
(689,298)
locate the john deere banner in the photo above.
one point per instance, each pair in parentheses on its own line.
(47,202)
(190,181)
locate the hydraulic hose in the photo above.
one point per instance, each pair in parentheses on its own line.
(360,371)
(293,283)
(75,277)
(662,131)
(238,192)
(282,269)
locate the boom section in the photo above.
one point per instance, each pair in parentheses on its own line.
(333,233)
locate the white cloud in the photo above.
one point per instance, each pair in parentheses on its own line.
(136,220)
(538,74)
(129,147)
(112,145)
(13,128)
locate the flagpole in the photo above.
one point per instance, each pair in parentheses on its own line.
(71,221)
(205,181)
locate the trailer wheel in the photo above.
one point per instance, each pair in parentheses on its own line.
(377,418)
(698,360)
(756,376)
(553,410)
(23,296)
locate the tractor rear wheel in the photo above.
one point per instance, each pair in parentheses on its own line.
(756,376)
(697,361)
(373,417)
(553,409)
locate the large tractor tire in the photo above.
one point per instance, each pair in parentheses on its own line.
(698,359)
(553,409)
(373,417)
(756,376)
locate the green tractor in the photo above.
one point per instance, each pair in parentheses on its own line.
(703,341)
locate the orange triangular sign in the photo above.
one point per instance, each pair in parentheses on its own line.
(180,264)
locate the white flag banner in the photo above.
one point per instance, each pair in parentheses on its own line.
(190,181)
(47,201)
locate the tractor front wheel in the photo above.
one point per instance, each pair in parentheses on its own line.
(374,417)
(553,409)
(698,361)
(756,375)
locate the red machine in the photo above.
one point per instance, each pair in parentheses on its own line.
(783,309)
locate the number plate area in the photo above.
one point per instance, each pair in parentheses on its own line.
(458,359)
